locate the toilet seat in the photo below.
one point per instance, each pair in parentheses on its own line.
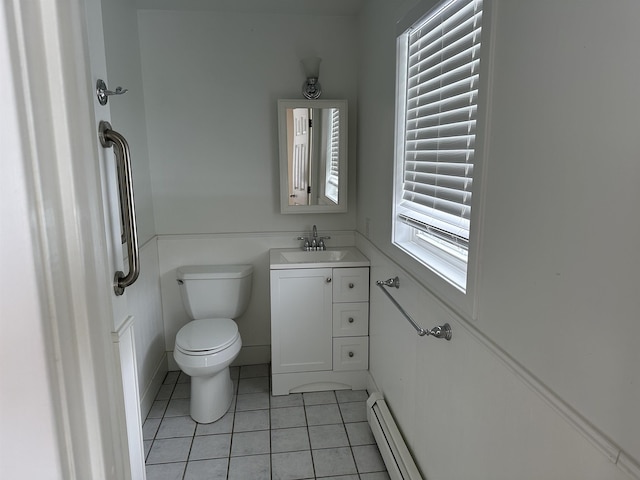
(207,336)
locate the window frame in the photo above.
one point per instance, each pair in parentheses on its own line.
(446,275)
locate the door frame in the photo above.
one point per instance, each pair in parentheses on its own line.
(53,92)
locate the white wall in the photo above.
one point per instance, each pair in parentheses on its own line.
(211,88)
(464,412)
(122,50)
(556,298)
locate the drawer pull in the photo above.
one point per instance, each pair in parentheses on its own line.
(350,320)
(351,354)
(351,285)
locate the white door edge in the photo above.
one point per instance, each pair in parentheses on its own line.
(51,75)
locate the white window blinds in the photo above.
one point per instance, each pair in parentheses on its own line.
(442,68)
(331,187)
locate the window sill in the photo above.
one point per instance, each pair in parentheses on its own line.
(446,267)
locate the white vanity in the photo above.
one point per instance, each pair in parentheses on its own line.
(319,320)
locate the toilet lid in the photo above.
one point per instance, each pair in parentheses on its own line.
(207,335)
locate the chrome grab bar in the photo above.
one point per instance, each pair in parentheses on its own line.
(111,138)
(442,331)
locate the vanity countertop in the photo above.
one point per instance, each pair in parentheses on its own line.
(287,258)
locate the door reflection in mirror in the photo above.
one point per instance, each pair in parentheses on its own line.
(313,155)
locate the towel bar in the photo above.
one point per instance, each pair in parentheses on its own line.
(441,331)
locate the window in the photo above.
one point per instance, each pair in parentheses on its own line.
(438,75)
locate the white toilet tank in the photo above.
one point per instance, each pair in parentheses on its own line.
(215,291)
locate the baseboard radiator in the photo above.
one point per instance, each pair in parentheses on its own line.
(393,449)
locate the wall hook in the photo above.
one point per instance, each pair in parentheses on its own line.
(103,94)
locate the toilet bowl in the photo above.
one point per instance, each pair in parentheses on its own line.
(204,350)
(205,347)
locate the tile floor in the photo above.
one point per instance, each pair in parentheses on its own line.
(298,436)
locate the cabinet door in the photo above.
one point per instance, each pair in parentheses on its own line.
(301,324)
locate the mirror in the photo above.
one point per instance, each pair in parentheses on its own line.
(313,156)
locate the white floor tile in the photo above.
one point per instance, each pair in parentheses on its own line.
(323,414)
(333,461)
(210,446)
(150,428)
(289,439)
(292,465)
(169,450)
(222,425)
(250,443)
(368,459)
(292,400)
(178,407)
(176,427)
(251,421)
(328,436)
(254,467)
(207,469)
(165,471)
(262,437)
(288,417)
(351,396)
(354,412)
(252,401)
(359,433)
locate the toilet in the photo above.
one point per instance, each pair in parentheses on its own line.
(213,296)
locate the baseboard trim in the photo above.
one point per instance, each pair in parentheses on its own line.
(149,395)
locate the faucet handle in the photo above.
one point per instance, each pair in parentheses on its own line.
(321,245)
(306,243)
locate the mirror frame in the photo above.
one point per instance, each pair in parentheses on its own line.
(343,189)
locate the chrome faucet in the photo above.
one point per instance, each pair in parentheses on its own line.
(315,242)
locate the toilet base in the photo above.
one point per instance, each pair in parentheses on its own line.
(211,396)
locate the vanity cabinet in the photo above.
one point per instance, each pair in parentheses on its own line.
(319,329)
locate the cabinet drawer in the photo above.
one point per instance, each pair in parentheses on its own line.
(350,285)
(350,319)
(350,353)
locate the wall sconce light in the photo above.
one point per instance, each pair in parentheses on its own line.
(311,88)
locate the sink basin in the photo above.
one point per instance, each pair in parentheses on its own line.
(283,258)
(300,256)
